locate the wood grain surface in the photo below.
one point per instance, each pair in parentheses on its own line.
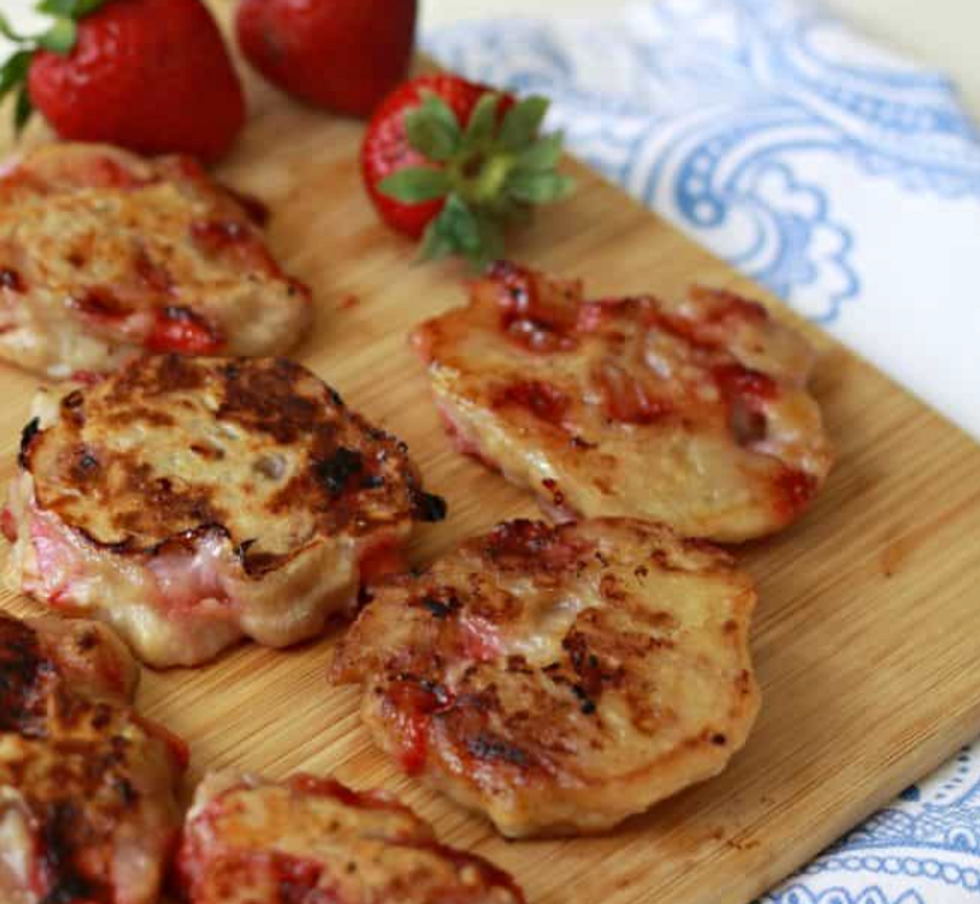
(867,635)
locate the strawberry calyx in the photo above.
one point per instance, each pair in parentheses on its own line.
(60,38)
(489,172)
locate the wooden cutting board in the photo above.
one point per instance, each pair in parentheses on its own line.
(866,638)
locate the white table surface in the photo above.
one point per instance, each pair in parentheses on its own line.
(940,33)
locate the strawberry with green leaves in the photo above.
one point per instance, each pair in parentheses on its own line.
(153,76)
(455,163)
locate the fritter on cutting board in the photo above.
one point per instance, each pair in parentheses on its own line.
(251,841)
(693,412)
(193,501)
(104,254)
(560,679)
(87,805)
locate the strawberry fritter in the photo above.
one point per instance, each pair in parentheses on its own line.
(251,841)
(693,412)
(87,806)
(104,254)
(191,502)
(560,678)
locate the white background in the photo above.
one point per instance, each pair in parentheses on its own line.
(941,33)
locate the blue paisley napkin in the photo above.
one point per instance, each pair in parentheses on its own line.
(841,176)
(848,181)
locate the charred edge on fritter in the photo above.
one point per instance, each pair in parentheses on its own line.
(120,547)
(22,670)
(440,609)
(439,698)
(592,677)
(260,563)
(491,748)
(257,564)
(535,545)
(63,823)
(556,673)
(335,472)
(241,550)
(36,703)
(170,373)
(587,704)
(428,507)
(70,835)
(184,540)
(468,722)
(31,430)
(260,399)
(84,465)
(263,399)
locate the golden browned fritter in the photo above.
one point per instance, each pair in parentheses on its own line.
(692,411)
(251,841)
(560,679)
(194,501)
(104,254)
(87,806)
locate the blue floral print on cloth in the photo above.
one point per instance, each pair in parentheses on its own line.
(844,178)
(923,849)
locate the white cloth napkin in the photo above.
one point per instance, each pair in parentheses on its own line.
(848,181)
(844,178)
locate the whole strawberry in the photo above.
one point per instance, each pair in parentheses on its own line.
(344,55)
(150,75)
(455,163)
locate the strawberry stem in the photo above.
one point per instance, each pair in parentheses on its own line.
(492,178)
(491,171)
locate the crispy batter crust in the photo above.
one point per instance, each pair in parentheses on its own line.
(250,840)
(560,678)
(228,495)
(87,806)
(693,412)
(260,449)
(104,253)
